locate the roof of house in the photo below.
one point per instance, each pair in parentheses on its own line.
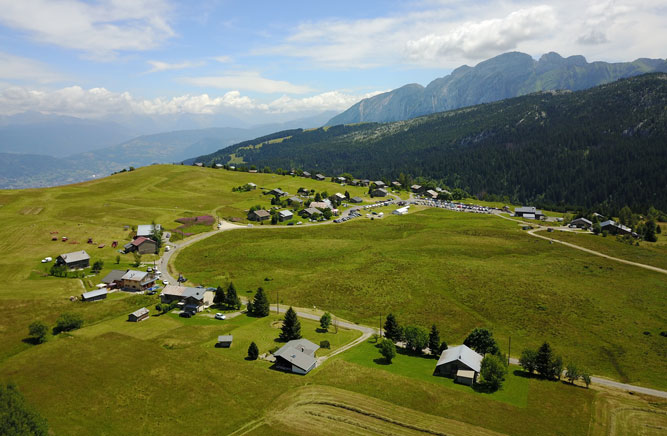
(277,191)
(140,312)
(296,199)
(379,183)
(312,211)
(134,275)
(380,189)
(527,209)
(286,213)
(299,352)
(582,220)
(306,173)
(250,184)
(615,224)
(415,187)
(184,292)
(261,213)
(225,338)
(75,256)
(339,195)
(463,354)
(432,193)
(114,276)
(93,294)
(320,205)
(356,199)
(319,176)
(140,240)
(146,229)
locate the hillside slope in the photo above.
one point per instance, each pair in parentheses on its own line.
(605,145)
(504,76)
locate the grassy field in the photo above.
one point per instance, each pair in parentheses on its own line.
(164,375)
(458,271)
(649,253)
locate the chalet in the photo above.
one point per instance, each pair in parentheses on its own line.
(146,230)
(97,294)
(295,201)
(224,341)
(460,363)
(142,245)
(74,260)
(297,356)
(396,185)
(528,212)
(138,315)
(340,196)
(365,182)
(232,168)
(581,223)
(137,280)
(401,211)
(431,193)
(198,164)
(278,192)
(285,215)
(218,166)
(319,177)
(189,299)
(306,174)
(114,279)
(259,215)
(417,188)
(310,212)
(252,171)
(340,179)
(380,192)
(379,184)
(303,191)
(251,185)
(320,205)
(615,228)
(356,200)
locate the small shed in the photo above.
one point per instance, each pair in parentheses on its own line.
(97,294)
(465,377)
(285,215)
(356,200)
(138,315)
(259,215)
(224,341)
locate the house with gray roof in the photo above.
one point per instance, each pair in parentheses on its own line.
(310,212)
(356,200)
(297,356)
(146,230)
(460,363)
(115,278)
(134,280)
(319,177)
(380,192)
(138,315)
(581,223)
(224,341)
(285,215)
(259,215)
(189,299)
(74,260)
(529,212)
(295,201)
(615,228)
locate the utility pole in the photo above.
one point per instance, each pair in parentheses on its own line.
(277,302)
(380,324)
(509,350)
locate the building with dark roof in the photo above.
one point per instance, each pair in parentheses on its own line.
(259,215)
(138,315)
(97,294)
(297,356)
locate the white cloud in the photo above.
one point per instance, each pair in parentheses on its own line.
(159,66)
(222,59)
(20,68)
(248,81)
(485,38)
(100,102)
(99,28)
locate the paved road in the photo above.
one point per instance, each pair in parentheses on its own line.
(368,331)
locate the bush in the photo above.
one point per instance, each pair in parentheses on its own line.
(253,351)
(38,330)
(388,350)
(68,322)
(325,344)
(17,418)
(493,371)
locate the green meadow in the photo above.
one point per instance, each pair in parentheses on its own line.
(459,271)
(164,375)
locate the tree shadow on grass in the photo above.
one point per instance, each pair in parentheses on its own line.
(321,330)
(484,388)
(30,341)
(381,361)
(524,374)
(404,352)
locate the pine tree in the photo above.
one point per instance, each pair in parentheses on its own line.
(434,340)
(291,328)
(392,330)
(219,297)
(544,361)
(232,299)
(260,304)
(253,351)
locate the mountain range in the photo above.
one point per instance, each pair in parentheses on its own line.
(504,76)
(605,146)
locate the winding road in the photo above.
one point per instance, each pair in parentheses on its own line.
(366,331)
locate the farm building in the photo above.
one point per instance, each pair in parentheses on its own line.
(380,192)
(295,201)
(396,185)
(297,356)
(457,362)
(138,315)
(97,294)
(114,279)
(142,245)
(320,205)
(251,185)
(146,230)
(137,280)
(379,184)
(341,180)
(74,260)
(259,215)
(401,211)
(528,212)
(190,299)
(224,341)
(285,215)
(431,193)
(365,182)
(279,192)
(310,212)
(417,188)
(319,177)
(218,166)
(340,196)
(581,223)
(615,228)
(356,200)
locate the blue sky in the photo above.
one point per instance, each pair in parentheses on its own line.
(98,58)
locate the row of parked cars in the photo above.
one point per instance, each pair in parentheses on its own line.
(353,214)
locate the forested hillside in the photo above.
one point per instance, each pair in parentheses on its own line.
(602,146)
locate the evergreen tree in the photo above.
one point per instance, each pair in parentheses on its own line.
(232,299)
(434,340)
(17,418)
(253,351)
(392,330)
(291,328)
(219,297)
(546,363)
(260,304)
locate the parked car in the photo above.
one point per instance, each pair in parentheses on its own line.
(220,316)
(164,282)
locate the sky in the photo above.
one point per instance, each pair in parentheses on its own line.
(270,59)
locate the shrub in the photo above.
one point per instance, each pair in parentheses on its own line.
(253,351)
(493,371)
(38,330)
(388,350)
(325,344)
(68,322)
(17,417)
